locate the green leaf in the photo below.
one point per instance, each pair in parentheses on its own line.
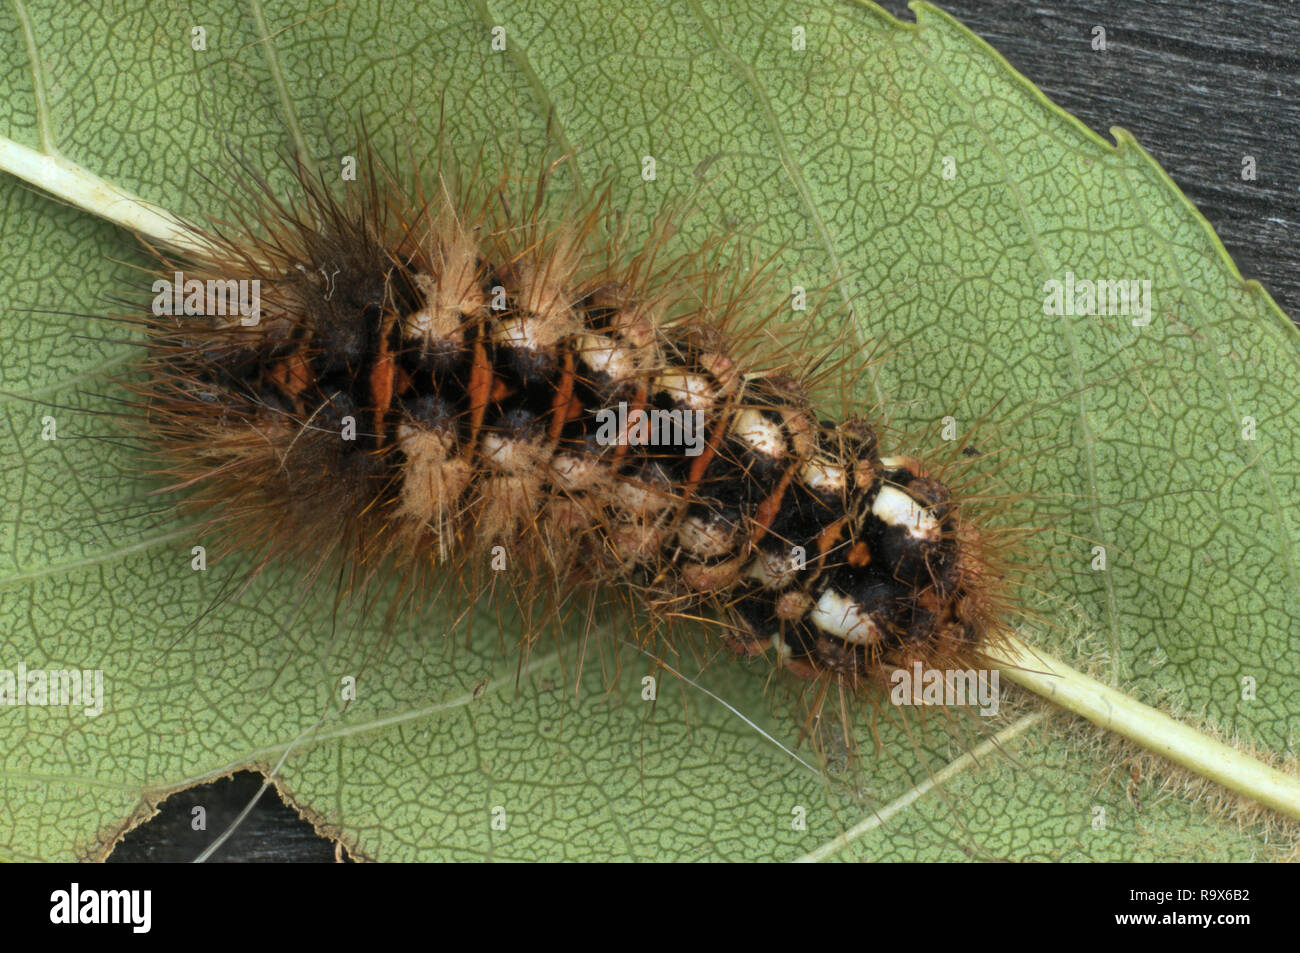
(836,153)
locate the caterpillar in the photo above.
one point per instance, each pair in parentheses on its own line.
(445,386)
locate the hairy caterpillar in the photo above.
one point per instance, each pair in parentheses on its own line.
(369,566)
(425,381)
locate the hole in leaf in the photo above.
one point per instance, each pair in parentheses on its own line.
(190,820)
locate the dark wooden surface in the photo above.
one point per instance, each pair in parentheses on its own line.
(1200,85)
(272,831)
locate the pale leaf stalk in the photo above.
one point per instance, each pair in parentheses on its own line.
(81,188)
(1235,770)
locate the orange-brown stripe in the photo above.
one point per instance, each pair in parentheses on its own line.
(828,537)
(563,398)
(382,379)
(479,393)
(293,375)
(637,403)
(701,463)
(767,510)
